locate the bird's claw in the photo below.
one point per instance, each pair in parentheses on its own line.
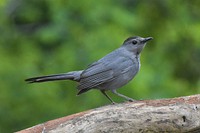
(113,103)
(130,100)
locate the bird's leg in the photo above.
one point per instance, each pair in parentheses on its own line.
(123,96)
(104,93)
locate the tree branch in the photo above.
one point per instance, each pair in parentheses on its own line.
(165,115)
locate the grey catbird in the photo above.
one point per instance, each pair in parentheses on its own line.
(109,73)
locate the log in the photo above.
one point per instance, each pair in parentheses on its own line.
(177,115)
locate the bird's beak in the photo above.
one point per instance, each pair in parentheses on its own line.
(147,39)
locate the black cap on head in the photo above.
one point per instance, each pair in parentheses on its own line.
(130,38)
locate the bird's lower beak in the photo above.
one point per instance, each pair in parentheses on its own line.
(147,39)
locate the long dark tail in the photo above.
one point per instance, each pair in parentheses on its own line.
(75,75)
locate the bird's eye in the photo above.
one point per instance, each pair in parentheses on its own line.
(134,42)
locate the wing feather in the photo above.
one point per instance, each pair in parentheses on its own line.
(95,75)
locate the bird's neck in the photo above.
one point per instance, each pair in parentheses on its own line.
(129,53)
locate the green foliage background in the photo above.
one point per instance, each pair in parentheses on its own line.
(40,37)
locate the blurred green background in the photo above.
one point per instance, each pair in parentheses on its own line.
(40,37)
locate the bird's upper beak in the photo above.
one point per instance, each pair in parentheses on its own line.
(147,39)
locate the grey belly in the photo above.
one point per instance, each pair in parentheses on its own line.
(120,80)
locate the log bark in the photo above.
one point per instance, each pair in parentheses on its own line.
(175,115)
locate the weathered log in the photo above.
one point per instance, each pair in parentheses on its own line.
(175,115)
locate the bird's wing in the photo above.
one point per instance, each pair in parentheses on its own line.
(96,74)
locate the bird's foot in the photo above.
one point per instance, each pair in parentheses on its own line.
(130,100)
(113,103)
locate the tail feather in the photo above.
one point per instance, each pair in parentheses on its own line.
(64,76)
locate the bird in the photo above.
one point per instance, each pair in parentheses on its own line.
(109,73)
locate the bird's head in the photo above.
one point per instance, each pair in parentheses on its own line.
(136,44)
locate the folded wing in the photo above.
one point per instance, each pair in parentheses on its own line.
(96,74)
